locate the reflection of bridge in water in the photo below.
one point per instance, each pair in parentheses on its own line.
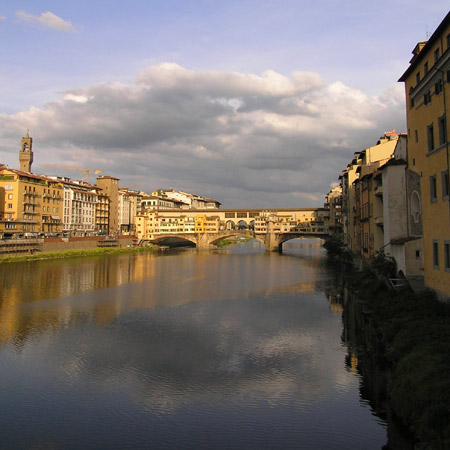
(205,228)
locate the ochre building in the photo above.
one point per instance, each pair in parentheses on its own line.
(427,85)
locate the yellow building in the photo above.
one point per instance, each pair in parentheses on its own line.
(102,213)
(147,224)
(200,223)
(29,204)
(427,86)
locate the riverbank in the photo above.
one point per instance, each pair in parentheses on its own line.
(412,332)
(75,253)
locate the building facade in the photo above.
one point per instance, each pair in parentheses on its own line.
(29,204)
(110,187)
(427,86)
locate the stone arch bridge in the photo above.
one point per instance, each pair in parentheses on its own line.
(205,241)
(271,227)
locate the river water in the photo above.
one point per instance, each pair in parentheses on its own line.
(229,349)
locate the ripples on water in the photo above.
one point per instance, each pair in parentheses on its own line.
(229,349)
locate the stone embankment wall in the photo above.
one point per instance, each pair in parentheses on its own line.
(81,243)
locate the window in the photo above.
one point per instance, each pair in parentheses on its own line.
(9,205)
(427,98)
(437,54)
(425,68)
(418,77)
(433,189)
(447,256)
(430,137)
(416,134)
(445,186)
(435,254)
(442,122)
(8,187)
(448,40)
(438,87)
(10,196)
(411,98)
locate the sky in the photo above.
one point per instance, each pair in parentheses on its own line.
(255,103)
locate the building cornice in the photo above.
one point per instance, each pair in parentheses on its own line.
(417,59)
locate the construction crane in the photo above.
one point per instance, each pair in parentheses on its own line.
(86,171)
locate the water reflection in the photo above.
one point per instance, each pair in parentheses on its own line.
(149,280)
(226,349)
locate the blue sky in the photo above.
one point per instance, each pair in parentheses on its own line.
(256,103)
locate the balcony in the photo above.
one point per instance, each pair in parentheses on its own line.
(51,219)
(31,202)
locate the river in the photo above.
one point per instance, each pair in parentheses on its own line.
(228,349)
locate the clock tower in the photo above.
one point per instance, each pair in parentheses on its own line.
(26,153)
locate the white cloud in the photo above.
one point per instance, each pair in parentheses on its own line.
(2,17)
(283,139)
(47,19)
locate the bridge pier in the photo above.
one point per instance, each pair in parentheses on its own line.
(272,242)
(203,241)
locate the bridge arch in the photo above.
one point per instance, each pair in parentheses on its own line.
(288,237)
(230,225)
(173,238)
(214,241)
(242,225)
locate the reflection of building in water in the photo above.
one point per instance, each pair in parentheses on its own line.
(295,289)
(335,304)
(22,287)
(351,361)
(148,281)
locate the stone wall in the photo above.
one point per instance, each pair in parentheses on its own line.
(80,243)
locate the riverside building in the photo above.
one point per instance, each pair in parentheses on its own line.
(427,86)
